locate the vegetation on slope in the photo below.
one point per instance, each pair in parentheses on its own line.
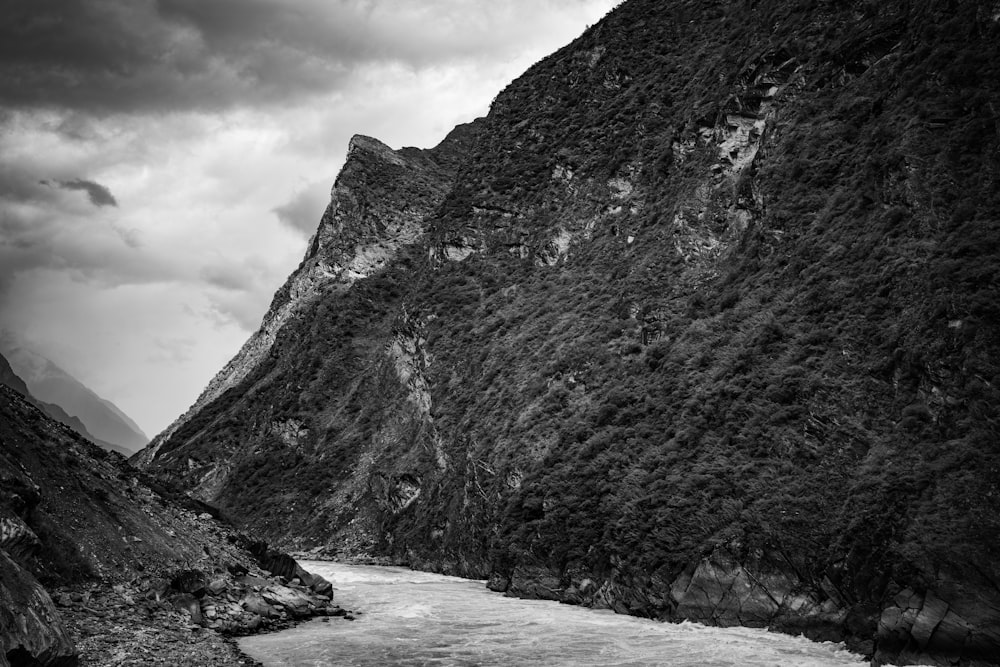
(728,281)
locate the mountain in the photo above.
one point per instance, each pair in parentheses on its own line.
(10,378)
(379,203)
(102,421)
(700,322)
(14,381)
(97,564)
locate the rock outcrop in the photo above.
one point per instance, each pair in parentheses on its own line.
(766,591)
(953,620)
(704,326)
(31,631)
(378,205)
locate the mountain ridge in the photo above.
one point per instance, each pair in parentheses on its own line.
(331,262)
(91,415)
(14,381)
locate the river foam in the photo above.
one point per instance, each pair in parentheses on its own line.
(420,619)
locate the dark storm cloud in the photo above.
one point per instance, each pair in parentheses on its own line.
(98,194)
(106,56)
(69,53)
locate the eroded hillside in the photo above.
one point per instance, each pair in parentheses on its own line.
(699,322)
(97,567)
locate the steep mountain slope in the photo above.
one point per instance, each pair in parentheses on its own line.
(706,327)
(378,205)
(12,379)
(102,421)
(74,518)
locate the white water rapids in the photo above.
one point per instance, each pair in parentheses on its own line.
(417,619)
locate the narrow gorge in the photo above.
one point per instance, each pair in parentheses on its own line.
(701,321)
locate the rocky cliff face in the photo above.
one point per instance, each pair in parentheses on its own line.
(378,204)
(704,327)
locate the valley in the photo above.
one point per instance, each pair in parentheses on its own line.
(699,323)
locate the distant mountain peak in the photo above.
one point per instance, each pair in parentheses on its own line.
(361,142)
(82,408)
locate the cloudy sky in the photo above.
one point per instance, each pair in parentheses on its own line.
(163,162)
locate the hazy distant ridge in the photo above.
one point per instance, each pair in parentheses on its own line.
(101,420)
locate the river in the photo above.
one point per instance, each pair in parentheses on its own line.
(416,619)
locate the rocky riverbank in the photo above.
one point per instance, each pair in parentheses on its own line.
(189,620)
(185,616)
(101,565)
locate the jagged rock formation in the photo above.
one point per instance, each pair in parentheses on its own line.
(705,326)
(30,630)
(378,204)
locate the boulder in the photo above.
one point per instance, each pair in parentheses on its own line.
(255,604)
(282,565)
(19,541)
(498,582)
(721,591)
(189,603)
(322,587)
(290,599)
(31,631)
(237,569)
(251,581)
(537,582)
(217,586)
(156,589)
(277,563)
(190,581)
(955,622)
